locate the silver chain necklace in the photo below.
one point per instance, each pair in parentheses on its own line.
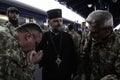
(58,60)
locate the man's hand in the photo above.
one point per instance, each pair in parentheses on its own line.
(37,57)
(33,57)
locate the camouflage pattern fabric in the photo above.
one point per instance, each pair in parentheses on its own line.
(109,77)
(76,39)
(12,58)
(78,47)
(103,58)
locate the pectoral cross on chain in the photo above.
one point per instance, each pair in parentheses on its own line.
(58,61)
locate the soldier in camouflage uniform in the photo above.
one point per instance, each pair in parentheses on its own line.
(84,33)
(102,47)
(77,42)
(75,36)
(13,16)
(13,61)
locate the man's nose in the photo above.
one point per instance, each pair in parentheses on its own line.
(60,22)
(15,14)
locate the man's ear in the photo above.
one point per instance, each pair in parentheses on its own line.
(40,36)
(28,36)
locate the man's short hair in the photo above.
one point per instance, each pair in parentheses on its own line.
(101,18)
(70,26)
(12,9)
(33,27)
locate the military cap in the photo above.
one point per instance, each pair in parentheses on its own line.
(12,9)
(54,13)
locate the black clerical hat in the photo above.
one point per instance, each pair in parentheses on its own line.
(54,13)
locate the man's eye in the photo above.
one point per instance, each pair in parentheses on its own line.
(55,21)
(60,20)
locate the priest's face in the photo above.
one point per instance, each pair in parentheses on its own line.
(56,23)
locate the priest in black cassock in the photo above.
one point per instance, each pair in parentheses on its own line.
(59,59)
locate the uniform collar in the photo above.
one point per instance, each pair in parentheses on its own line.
(107,39)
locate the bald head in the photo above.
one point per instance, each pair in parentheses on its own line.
(101,18)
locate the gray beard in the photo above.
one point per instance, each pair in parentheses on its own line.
(55,30)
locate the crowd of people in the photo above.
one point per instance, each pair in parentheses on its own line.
(92,55)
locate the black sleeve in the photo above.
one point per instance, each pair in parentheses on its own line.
(74,60)
(41,46)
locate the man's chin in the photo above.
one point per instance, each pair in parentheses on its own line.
(60,28)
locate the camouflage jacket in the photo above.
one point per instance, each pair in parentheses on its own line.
(103,58)
(12,58)
(76,39)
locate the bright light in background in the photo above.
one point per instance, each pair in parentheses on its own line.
(51,4)
(117,27)
(3,17)
(89,5)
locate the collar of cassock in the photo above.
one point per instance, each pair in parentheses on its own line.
(55,32)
